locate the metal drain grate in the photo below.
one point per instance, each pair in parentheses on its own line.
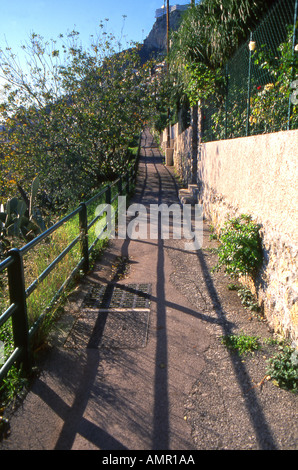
(117,316)
(122,330)
(118,296)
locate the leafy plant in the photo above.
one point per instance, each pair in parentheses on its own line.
(243,344)
(208,36)
(283,368)
(240,252)
(235,124)
(12,217)
(248,299)
(270,101)
(213,235)
(203,82)
(20,218)
(272,75)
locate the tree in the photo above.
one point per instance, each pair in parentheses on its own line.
(72,117)
(209,34)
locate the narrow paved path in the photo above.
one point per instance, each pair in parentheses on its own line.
(90,397)
(155,378)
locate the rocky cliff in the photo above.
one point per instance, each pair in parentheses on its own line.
(156,42)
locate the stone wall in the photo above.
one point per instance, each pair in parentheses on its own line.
(181,142)
(258,176)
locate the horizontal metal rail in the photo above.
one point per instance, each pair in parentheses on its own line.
(7,314)
(99,215)
(6,263)
(17,353)
(48,232)
(51,266)
(17,311)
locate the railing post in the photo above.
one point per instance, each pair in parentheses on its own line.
(134,174)
(108,195)
(84,237)
(248,89)
(18,297)
(226,100)
(127,182)
(290,106)
(120,186)
(132,177)
(108,212)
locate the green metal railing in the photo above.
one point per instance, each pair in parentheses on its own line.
(13,264)
(259,80)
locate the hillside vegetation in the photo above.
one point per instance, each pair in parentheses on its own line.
(71,115)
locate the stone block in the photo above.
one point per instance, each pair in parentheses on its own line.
(169,157)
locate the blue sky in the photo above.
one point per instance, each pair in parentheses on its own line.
(49,18)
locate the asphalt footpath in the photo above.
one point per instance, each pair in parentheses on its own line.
(127,350)
(136,361)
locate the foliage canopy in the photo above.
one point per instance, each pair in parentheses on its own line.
(209,34)
(71,117)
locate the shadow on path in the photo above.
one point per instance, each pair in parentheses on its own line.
(85,376)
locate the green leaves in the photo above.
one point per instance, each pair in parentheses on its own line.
(208,36)
(243,344)
(203,82)
(71,116)
(283,368)
(270,100)
(240,252)
(20,218)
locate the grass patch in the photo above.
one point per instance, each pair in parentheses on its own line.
(42,303)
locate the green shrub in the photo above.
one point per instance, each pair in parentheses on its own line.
(283,368)
(240,252)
